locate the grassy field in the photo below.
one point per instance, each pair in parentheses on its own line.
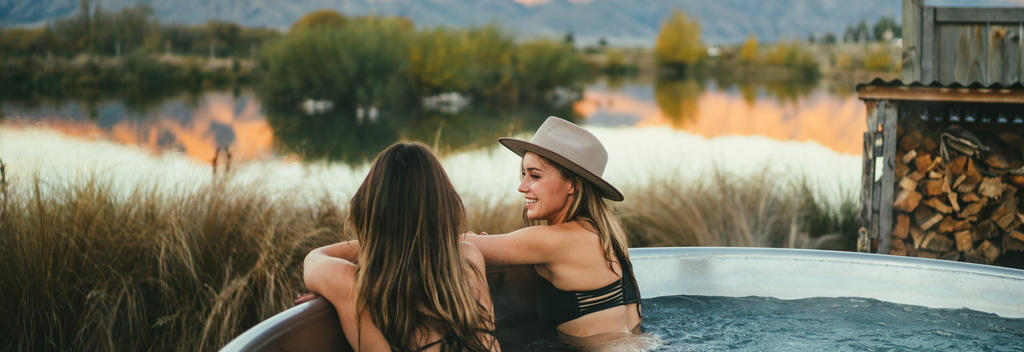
(86,268)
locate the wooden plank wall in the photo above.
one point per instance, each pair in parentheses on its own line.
(962,44)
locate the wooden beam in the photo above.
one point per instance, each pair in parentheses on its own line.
(911,41)
(929,53)
(979,14)
(964,95)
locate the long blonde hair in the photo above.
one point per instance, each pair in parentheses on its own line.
(589,207)
(412,279)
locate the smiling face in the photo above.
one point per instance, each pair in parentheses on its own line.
(548,194)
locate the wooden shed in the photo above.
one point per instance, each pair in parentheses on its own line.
(943,153)
(944,171)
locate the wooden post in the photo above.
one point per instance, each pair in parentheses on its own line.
(867,179)
(872,191)
(911,41)
(887,110)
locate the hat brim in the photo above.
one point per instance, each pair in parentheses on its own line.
(520,147)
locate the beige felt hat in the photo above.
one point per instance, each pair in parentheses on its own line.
(570,146)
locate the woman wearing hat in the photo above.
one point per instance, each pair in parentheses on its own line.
(575,243)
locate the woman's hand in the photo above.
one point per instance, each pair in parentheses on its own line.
(305,297)
(471,233)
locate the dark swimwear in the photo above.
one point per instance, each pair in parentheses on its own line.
(557,306)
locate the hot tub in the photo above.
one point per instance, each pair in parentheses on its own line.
(703,271)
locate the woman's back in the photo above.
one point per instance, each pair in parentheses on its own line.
(364,335)
(406,282)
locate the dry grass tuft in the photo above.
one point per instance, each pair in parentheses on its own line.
(85,269)
(726,210)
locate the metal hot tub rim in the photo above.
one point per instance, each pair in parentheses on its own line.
(806,273)
(706,271)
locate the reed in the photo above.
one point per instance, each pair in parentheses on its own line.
(87,268)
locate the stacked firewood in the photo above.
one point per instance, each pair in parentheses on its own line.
(958,196)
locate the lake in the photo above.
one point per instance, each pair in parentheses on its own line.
(651,129)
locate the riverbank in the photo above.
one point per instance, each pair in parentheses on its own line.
(138,76)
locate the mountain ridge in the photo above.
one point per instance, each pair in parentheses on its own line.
(619,22)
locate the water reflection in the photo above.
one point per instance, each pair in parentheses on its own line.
(197,124)
(192,125)
(677,99)
(802,112)
(345,135)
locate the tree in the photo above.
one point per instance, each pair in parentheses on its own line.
(863,34)
(321,18)
(678,41)
(748,52)
(858,33)
(886,24)
(830,38)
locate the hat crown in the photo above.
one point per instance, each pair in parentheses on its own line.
(573,143)
(570,146)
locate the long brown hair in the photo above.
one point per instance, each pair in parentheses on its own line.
(589,207)
(412,279)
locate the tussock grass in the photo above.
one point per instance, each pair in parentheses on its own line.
(87,268)
(721,210)
(726,210)
(84,270)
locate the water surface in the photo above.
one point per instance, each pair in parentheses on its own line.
(651,128)
(707,323)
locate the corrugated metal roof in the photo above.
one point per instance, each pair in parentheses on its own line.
(879,82)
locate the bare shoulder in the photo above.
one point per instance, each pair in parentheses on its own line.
(552,234)
(574,232)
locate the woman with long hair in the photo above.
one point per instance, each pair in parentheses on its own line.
(406,283)
(575,243)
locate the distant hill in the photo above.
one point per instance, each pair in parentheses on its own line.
(620,22)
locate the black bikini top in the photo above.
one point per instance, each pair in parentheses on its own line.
(557,306)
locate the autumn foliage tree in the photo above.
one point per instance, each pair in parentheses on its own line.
(320,18)
(748,51)
(678,42)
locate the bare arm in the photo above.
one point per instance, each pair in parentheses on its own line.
(348,250)
(531,245)
(321,268)
(328,273)
(481,290)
